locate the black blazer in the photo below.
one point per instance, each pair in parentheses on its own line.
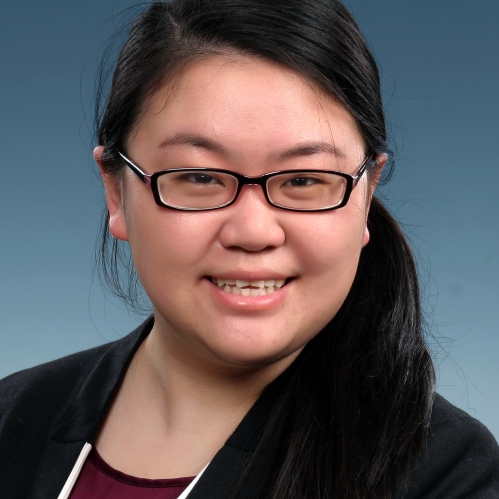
(49,412)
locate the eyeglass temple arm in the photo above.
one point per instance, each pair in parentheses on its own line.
(146,178)
(362,169)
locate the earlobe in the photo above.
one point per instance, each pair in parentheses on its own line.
(112,188)
(367,237)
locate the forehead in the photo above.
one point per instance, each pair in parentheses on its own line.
(247,104)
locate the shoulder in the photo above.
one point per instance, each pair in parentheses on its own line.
(47,382)
(462,458)
(46,412)
(40,393)
(449,422)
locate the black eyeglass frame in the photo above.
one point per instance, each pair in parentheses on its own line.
(151,180)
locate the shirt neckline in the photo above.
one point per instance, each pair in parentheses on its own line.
(115,474)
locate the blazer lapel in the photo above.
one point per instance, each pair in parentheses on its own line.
(80,422)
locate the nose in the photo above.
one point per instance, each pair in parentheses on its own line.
(252,224)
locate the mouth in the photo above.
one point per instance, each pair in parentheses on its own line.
(249,288)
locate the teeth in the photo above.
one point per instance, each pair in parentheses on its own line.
(249,288)
(222,282)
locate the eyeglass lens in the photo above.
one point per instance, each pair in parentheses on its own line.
(210,189)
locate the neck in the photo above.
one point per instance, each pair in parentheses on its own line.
(197,392)
(173,412)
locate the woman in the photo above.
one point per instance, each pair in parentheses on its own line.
(240,148)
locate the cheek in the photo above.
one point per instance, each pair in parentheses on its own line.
(330,243)
(166,244)
(174,252)
(330,262)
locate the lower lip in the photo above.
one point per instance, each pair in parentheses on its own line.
(249,303)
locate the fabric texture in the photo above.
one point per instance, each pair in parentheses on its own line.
(49,412)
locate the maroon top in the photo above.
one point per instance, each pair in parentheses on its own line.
(99,481)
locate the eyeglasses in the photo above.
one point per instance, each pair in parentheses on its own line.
(200,189)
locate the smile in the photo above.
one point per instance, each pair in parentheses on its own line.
(248,288)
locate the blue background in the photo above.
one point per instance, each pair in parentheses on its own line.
(440,71)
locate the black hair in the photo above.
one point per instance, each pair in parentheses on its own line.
(358,403)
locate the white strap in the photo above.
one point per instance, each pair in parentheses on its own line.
(70,482)
(187,491)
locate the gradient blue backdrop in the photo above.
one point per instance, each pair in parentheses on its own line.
(440,71)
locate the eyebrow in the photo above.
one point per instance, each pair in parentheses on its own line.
(310,148)
(194,141)
(305,149)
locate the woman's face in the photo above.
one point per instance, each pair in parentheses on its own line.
(252,117)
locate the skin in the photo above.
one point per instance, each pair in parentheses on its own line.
(210,353)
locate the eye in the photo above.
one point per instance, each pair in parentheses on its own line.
(200,178)
(302,181)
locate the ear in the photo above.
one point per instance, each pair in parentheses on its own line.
(112,187)
(381,160)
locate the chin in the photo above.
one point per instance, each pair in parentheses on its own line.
(244,355)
